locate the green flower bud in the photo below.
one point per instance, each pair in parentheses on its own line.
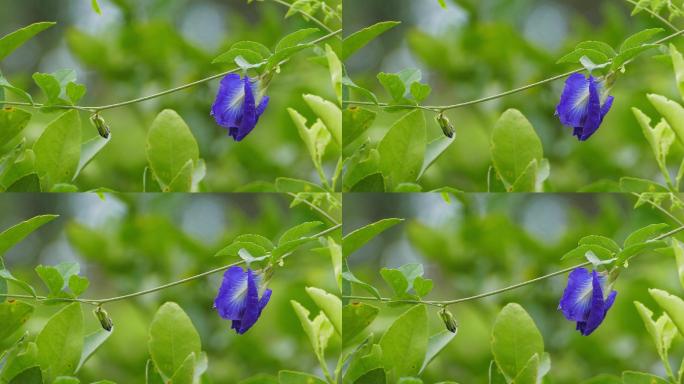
(103,317)
(446,126)
(101,125)
(449,320)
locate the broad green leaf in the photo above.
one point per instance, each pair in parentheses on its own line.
(436,344)
(672,305)
(495,374)
(316,137)
(13,315)
(661,137)
(319,330)
(365,162)
(294,38)
(366,366)
(598,46)
(5,85)
(359,237)
(152,375)
(56,277)
(355,122)
(601,241)
(96,7)
(78,284)
(186,372)
(60,342)
(253,46)
(529,373)
(91,343)
(12,122)
(420,91)
(594,55)
(330,304)
(422,286)
(88,151)
(629,377)
(234,55)
(14,40)
(632,184)
(359,39)
(515,339)
(644,234)
(299,231)
(371,183)
(514,145)
(402,279)
(671,111)
(636,249)
(678,64)
(336,72)
(639,38)
(662,331)
(182,182)
(434,150)
(356,317)
(6,276)
(170,144)
(349,276)
(347,82)
(405,342)
(58,150)
(527,180)
(13,235)
(292,377)
(66,380)
(623,57)
(397,84)
(402,150)
(256,239)
(329,113)
(172,339)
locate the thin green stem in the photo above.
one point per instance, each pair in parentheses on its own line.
(98,302)
(305,14)
(661,209)
(656,15)
(442,108)
(315,208)
(444,303)
(95,109)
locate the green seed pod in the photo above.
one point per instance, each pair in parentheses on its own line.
(101,125)
(446,126)
(103,317)
(449,320)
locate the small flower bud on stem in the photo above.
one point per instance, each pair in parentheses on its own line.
(101,125)
(449,320)
(103,317)
(445,124)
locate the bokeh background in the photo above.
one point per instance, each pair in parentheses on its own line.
(138,48)
(127,243)
(476,48)
(482,242)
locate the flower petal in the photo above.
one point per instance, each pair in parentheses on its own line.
(231,299)
(594,115)
(599,306)
(605,108)
(252,310)
(572,108)
(576,300)
(249,117)
(227,108)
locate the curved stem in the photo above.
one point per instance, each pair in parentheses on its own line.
(442,108)
(303,13)
(444,303)
(98,302)
(315,208)
(95,109)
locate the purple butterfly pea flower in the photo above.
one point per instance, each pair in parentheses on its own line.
(238,298)
(238,105)
(584,299)
(583,105)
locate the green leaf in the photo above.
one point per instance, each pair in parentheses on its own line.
(170,145)
(662,331)
(183,180)
(186,372)
(256,239)
(636,249)
(672,305)
(253,46)
(96,7)
(172,339)
(5,85)
(436,344)
(336,72)
(515,339)
(316,137)
(292,377)
(595,56)
(366,366)
(13,315)
(91,343)
(529,373)
(319,330)
(88,151)
(359,237)
(601,241)
(633,184)
(623,57)
(66,380)
(679,258)
(60,342)
(349,276)
(420,91)
(671,111)
(661,137)
(58,150)
(329,113)
(678,64)
(294,38)
(356,317)
(495,374)
(7,276)
(28,183)
(330,304)
(404,345)
(434,150)
(639,38)
(402,150)
(514,145)
(14,40)
(31,375)
(644,234)
(13,235)
(397,84)
(77,284)
(371,183)
(299,231)
(359,39)
(12,122)
(355,122)
(629,377)
(600,46)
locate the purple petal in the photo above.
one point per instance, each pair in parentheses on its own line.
(249,117)
(606,106)
(593,119)
(262,106)
(227,108)
(572,108)
(599,306)
(252,310)
(576,300)
(231,299)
